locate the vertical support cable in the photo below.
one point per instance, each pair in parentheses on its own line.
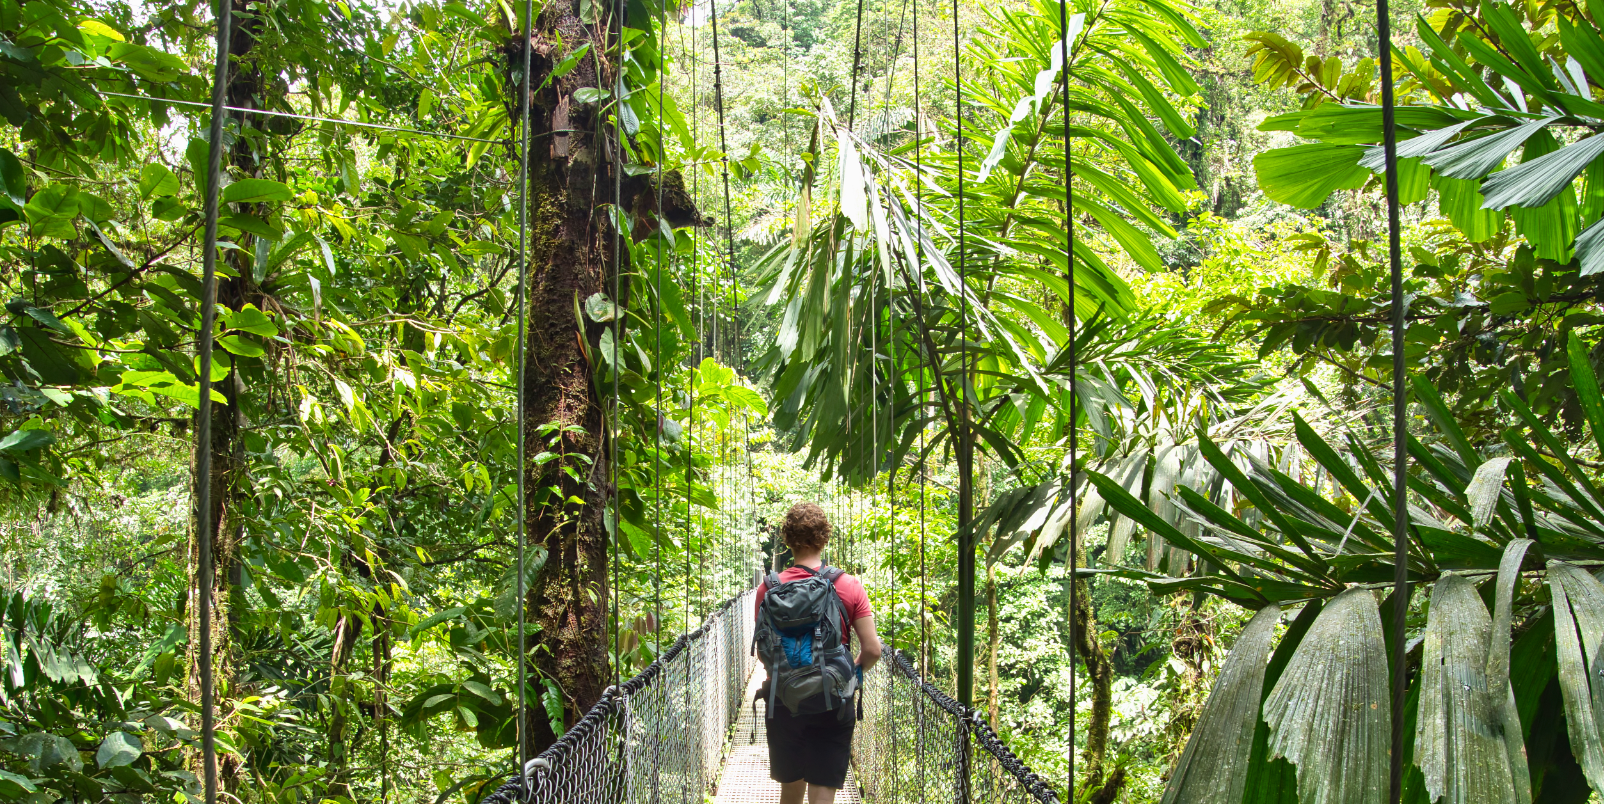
(856,438)
(523,290)
(618,332)
(751,504)
(918,272)
(1400,402)
(857,55)
(785,88)
(891,69)
(724,160)
(893,378)
(205,527)
(965,446)
(701,314)
(1073,556)
(657,449)
(690,377)
(712,313)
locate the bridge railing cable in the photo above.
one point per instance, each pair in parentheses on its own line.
(661,736)
(930,749)
(658,737)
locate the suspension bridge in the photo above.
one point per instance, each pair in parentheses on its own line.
(686,729)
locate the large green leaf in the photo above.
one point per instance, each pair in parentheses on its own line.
(1355,124)
(54,363)
(1375,158)
(1460,740)
(1270,779)
(148,62)
(1303,176)
(118,749)
(1329,715)
(1484,490)
(52,210)
(248,191)
(1214,767)
(155,180)
(1590,249)
(13,180)
(1578,632)
(1536,182)
(1550,228)
(1498,660)
(1473,159)
(1586,384)
(1460,201)
(24,440)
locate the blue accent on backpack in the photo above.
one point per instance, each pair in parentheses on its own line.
(797,644)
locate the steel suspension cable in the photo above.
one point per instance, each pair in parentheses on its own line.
(690,377)
(1400,402)
(205,526)
(711,310)
(1073,549)
(919,252)
(857,56)
(657,450)
(893,377)
(891,70)
(524,92)
(618,323)
(309,118)
(685,626)
(785,88)
(701,313)
(966,552)
(724,160)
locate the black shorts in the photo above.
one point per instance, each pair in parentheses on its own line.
(816,748)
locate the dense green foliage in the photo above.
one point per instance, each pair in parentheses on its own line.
(830,335)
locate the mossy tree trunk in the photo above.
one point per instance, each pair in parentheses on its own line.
(571,244)
(227,475)
(1100,672)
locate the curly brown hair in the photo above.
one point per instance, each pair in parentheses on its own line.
(806,529)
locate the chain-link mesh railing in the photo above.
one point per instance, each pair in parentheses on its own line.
(916,745)
(660,736)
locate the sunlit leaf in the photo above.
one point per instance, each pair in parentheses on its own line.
(1304,176)
(251,191)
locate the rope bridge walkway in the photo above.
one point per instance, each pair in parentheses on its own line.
(745,779)
(685,729)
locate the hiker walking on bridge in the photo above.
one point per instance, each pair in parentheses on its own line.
(805,619)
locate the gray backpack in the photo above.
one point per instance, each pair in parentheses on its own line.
(799,641)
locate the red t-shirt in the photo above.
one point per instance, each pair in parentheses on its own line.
(854,598)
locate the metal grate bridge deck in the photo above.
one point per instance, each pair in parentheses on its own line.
(684,732)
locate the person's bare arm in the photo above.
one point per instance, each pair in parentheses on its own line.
(869,647)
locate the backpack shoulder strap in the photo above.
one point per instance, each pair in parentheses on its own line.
(771,581)
(838,604)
